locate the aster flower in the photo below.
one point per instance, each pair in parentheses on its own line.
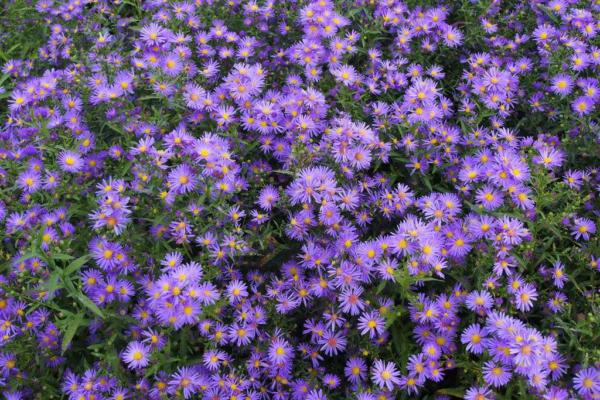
(432,351)
(154,339)
(29,181)
(587,381)
(182,179)
(557,301)
(171,65)
(556,393)
(351,301)
(185,380)
(332,343)
(331,381)
(452,37)
(136,355)
(355,370)
(474,337)
(524,352)
(489,198)
(495,374)
(411,384)
(18,100)
(479,301)
(280,351)
(241,334)
(346,74)
(153,34)
(478,393)
(559,276)
(316,394)
(562,84)
(385,374)
(525,296)
(371,324)
(212,359)
(237,290)
(582,105)
(582,228)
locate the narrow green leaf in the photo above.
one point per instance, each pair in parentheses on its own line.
(381,286)
(75,265)
(84,300)
(72,327)
(63,257)
(53,283)
(454,392)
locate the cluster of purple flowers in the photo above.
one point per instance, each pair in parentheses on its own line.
(301,200)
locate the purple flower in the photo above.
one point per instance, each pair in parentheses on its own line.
(355,370)
(474,337)
(495,374)
(385,374)
(582,228)
(351,301)
(29,181)
(185,381)
(346,74)
(479,301)
(268,197)
(549,157)
(558,274)
(332,343)
(556,302)
(525,352)
(489,198)
(331,381)
(182,179)
(582,105)
(525,296)
(562,84)
(371,323)
(280,351)
(136,355)
(237,290)
(153,34)
(587,381)
(478,393)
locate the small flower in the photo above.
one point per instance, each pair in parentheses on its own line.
(562,84)
(587,381)
(525,296)
(474,337)
(280,351)
(582,105)
(495,374)
(479,393)
(136,355)
(582,228)
(385,374)
(371,323)
(70,161)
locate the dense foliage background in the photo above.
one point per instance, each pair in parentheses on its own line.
(314,200)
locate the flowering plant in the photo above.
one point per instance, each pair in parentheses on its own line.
(305,199)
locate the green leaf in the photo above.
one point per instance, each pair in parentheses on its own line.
(454,392)
(381,286)
(63,257)
(69,333)
(75,265)
(89,304)
(53,283)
